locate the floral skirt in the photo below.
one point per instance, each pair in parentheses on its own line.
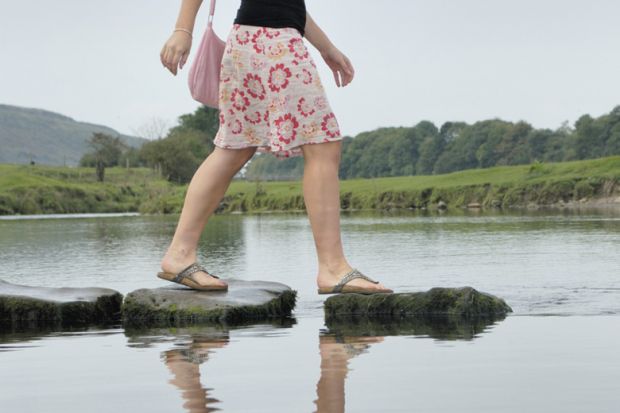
(271,95)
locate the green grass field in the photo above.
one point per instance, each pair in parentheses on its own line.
(26,189)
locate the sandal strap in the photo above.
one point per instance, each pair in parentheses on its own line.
(189,270)
(351,275)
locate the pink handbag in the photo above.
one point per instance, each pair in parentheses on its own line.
(204,74)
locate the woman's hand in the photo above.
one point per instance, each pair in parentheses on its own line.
(340,65)
(175,51)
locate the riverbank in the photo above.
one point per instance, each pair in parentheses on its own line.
(26,189)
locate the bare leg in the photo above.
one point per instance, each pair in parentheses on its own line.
(321,188)
(204,193)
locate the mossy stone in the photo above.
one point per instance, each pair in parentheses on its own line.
(180,305)
(461,302)
(47,306)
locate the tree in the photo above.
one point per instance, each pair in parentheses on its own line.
(106,152)
(178,155)
(430,149)
(154,129)
(204,119)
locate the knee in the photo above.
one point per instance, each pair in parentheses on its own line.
(246,154)
(325,152)
(235,157)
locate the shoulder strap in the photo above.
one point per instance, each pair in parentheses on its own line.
(212,9)
(211,13)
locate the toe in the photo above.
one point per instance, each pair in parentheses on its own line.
(383,288)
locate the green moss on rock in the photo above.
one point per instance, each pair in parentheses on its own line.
(244,300)
(44,306)
(438,301)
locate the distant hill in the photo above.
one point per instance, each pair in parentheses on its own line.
(47,137)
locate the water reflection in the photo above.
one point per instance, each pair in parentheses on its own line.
(30,335)
(336,350)
(439,327)
(191,348)
(339,342)
(349,337)
(183,364)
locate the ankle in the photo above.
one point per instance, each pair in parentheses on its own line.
(180,252)
(334,268)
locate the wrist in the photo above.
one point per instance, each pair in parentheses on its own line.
(181,29)
(326,49)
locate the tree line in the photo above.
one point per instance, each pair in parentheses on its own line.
(423,149)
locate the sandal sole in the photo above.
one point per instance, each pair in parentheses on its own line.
(168,276)
(353,291)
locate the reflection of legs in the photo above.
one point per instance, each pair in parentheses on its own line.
(184,365)
(330,388)
(187,379)
(321,191)
(204,193)
(335,358)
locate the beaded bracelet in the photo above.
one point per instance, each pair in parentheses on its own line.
(183,30)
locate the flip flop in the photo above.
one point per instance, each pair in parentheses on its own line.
(185,277)
(341,286)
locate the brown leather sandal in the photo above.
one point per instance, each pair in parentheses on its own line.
(185,277)
(341,286)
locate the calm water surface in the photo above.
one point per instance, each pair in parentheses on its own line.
(558,351)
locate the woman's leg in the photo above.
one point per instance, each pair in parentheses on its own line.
(321,188)
(205,191)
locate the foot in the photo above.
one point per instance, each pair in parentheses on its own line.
(176,261)
(329,278)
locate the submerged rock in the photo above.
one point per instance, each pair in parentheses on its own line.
(45,306)
(438,301)
(176,304)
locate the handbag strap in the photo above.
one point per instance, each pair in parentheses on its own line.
(211,11)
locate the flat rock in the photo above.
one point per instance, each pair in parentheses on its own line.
(23,304)
(176,304)
(438,301)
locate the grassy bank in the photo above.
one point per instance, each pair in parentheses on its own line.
(26,189)
(29,189)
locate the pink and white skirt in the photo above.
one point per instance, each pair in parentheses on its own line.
(271,95)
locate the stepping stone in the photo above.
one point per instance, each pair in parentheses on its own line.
(438,301)
(176,304)
(44,306)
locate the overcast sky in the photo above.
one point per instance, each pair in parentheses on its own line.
(543,61)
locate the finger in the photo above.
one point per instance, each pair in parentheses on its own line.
(176,58)
(170,61)
(343,75)
(350,66)
(183,59)
(340,67)
(336,78)
(346,77)
(162,53)
(167,59)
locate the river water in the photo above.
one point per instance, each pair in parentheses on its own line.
(559,350)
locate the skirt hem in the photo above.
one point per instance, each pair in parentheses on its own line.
(293,151)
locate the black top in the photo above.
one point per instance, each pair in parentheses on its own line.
(273,13)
